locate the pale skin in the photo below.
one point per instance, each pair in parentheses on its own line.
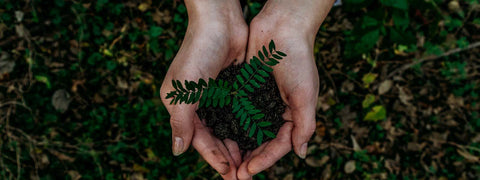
(217,36)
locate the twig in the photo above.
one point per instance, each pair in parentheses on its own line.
(432,57)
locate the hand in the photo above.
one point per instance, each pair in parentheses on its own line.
(293,26)
(216,35)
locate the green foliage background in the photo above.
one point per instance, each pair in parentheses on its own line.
(106,59)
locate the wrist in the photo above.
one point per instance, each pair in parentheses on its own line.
(303,15)
(206,11)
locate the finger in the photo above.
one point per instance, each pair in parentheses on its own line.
(275,150)
(208,148)
(304,127)
(181,121)
(242,172)
(234,151)
(232,173)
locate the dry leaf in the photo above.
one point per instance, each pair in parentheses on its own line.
(385,86)
(469,157)
(356,147)
(74,175)
(349,167)
(6,65)
(61,100)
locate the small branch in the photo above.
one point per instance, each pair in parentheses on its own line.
(432,57)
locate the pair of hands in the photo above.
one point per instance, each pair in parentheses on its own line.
(217,36)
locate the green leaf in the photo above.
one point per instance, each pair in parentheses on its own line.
(239,114)
(240,79)
(254,83)
(211,82)
(190,85)
(228,99)
(171,94)
(180,86)
(197,97)
(264,124)
(274,60)
(210,92)
(259,78)
(281,53)
(215,102)
(209,102)
(249,88)
(242,118)
(377,113)
(265,52)
(241,93)
(201,83)
(266,68)
(174,85)
(258,116)
(259,137)
(269,134)
(252,130)
(235,85)
(256,61)
(277,56)
(244,73)
(247,124)
(260,55)
(263,73)
(271,46)
(369,99)
(368,79)
(221,102)
(248,67)
(191,98)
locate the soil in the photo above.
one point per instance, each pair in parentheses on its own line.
(223,122)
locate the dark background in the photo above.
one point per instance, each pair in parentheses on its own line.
(79,91)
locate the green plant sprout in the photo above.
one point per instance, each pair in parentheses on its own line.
(221,93)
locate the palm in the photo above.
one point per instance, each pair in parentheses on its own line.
(203,54)
(297,80)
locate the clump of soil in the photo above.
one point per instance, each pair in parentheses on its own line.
(223,122)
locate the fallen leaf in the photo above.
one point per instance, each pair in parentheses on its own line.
(61,100)
(377,113)
(385,86)
(6,65)
(356,147)
(315,162)
(143,7)
(74,175)
(368,79)
(469,157)
(369,99)
(349,167)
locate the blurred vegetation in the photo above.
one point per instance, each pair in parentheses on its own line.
(79,85)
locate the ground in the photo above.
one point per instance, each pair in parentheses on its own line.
(79,86)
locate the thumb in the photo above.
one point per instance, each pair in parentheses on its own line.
(182,125)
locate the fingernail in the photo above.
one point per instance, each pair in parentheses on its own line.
(178,146)
(303,151)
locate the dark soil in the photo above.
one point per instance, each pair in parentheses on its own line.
(223,122)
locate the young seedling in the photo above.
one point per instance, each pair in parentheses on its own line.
(220,93)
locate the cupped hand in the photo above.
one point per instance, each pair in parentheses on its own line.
(216,36)
(296,75)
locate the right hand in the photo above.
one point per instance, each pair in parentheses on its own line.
(216,36)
